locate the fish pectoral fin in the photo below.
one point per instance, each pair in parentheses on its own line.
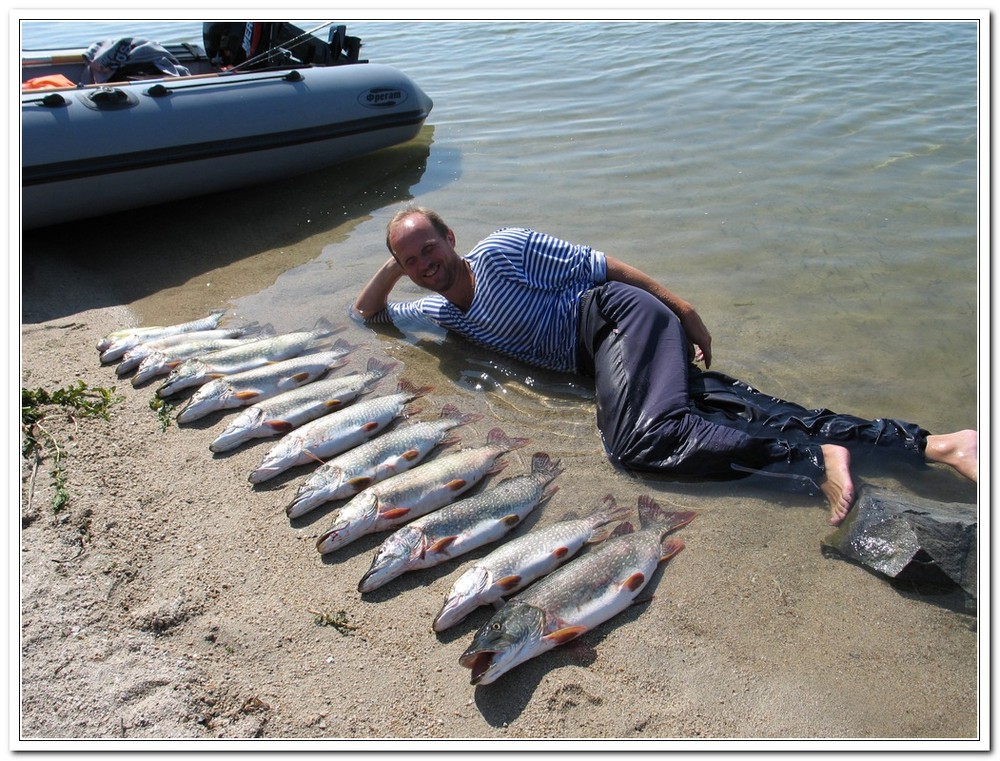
(282,426)
(300,377)
(332,403)
(564,635)
(456,484)
(442,544)
(511,520)
(560,552)
(244,395)
(635,581)
(509,582)
(361,482)
(369,426)
(395,512)
(410,454)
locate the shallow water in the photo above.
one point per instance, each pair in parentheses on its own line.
(810,187)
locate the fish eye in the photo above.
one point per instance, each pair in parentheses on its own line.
(496,626)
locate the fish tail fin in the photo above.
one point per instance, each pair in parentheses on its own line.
(543,465)
(343,345)
(497,437)
(324,327)
(377,367)
(650,513)
(452,412)
(406,387)
(610,512)
(669,548)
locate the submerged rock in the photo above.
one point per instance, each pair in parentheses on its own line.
(911,539)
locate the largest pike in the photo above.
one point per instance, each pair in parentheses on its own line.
(282,413)
(245,388)
(416,492)
(576,598)
(200,370)
(462,526)
(394,452)
(337,432)
(115,344)
(520,561)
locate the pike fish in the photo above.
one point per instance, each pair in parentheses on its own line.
(577,597)
(374,461)
(250,386)
(416,492)
(200,370)
(520,561)
(289,410)
(462,526)
(162,362)
(337,432)
(114,345)
(134,356)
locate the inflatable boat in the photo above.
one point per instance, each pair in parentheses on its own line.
(129,123)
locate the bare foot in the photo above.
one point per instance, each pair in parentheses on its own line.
(959,449)
(837,486)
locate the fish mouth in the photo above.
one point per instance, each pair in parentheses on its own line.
(479,662)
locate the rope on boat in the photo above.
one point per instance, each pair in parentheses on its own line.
(289,44)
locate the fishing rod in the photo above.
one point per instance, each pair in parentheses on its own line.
(289,44)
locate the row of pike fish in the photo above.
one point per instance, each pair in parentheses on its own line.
(279,381)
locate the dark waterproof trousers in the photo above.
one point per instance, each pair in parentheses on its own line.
(658,412)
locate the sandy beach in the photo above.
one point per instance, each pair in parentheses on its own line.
(170,600)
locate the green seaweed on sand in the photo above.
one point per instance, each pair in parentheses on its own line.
(37,442)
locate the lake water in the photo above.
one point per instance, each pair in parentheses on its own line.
(812,188)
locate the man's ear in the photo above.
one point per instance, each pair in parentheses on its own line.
(451,237)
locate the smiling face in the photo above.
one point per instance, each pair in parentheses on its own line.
(427,257)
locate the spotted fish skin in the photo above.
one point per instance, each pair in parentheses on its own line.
(416,492)
(244,388)
(159,363)
(462,526)
(574,599)
(386,455)
(113,346)
(134,356)
(516,564)
(289,410)
(200,370)
(337,432)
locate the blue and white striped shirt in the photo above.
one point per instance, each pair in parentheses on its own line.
(528,288)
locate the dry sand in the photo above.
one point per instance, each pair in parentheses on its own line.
(170,600)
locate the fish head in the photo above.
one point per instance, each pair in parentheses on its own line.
(354,520)
(392,558)
(186,374)
(239,430)
(466,595)
(206,399)
(511,637)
